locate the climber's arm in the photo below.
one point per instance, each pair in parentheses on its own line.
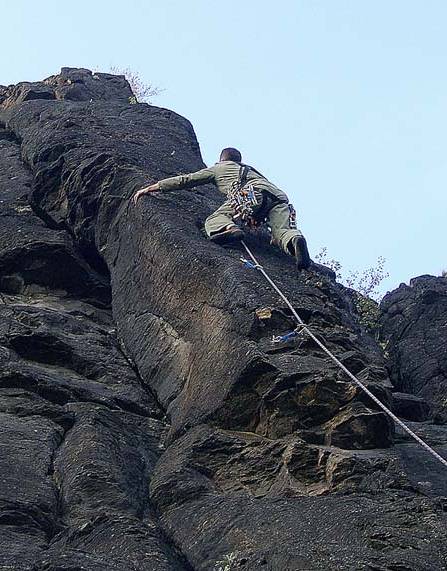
(177,182)
(187,180)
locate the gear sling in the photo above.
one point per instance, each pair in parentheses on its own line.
(252,205)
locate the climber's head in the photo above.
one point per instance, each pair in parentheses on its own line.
(230,154)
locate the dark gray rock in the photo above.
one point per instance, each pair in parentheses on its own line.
(102,471)
(79,434)
(67,357)
(26,91)
(231,487)
(414,333)
(72,84)
(271,458)
(423,469)
(77,84)
(410,407)
(79,178)
(32,254)
(284,519)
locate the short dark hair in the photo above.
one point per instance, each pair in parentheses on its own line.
(231,154)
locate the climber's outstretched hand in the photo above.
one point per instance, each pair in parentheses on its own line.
(145,190)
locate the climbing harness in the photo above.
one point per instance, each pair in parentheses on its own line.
(251,205)
(242,197)
(255,265)
(242,201)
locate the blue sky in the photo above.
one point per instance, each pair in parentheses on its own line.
(341,103)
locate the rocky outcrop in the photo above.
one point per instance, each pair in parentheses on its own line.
(414,332)
(165,429)
(70,85)
(79,432)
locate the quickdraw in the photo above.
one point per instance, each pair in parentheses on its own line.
(242,200)
(249,264)
(292,217)
(288,336)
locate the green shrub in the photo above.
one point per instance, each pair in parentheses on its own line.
(365,282)
(142,91)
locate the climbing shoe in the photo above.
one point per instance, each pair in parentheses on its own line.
(229,235)
(301,252)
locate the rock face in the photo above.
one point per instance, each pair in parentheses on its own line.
(414,330)
(147,421)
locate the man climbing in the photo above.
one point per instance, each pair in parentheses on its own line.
(250,196)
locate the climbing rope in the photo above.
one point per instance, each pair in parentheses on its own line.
(303,327)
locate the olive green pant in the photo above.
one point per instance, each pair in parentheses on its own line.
(277,220)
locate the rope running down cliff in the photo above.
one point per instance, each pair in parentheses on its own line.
(304,327)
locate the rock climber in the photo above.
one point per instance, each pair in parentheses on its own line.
(266,203)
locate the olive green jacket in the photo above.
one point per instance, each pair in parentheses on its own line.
(223,175)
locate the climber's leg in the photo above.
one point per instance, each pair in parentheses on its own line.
(220,227)
(289,238)
(298,247)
